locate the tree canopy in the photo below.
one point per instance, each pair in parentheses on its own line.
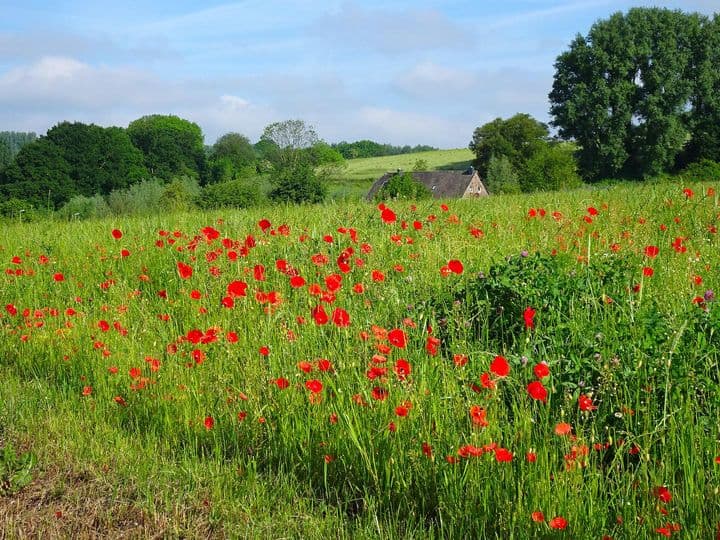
(516,138)
(639,92)
(172,146)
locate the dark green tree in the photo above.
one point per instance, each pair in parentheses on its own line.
(297,183)
(15,140)
(231,157)
(100,159)
(5,154)
(40,175)
(502,176)
(625,91)
(290,139)
(171,145)
(516,138)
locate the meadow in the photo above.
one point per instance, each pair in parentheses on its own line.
(531,366)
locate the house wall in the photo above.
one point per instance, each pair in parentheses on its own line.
(475,188)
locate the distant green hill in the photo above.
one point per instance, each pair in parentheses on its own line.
(356,179)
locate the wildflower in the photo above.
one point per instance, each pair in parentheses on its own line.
(563,428)
(500,367)
(585,403)
(541,370)
(558,522)
(537,391)
(184,270)
(528,316)
(209,422)
(537,516)
(314,386)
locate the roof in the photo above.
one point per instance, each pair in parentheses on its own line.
(442,184)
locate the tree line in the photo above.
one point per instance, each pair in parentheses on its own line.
(638,96)
(366,148)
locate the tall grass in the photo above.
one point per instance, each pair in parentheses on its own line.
(192,393)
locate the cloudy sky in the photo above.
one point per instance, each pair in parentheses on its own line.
(421,72)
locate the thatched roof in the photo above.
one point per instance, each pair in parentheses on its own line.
(442,184)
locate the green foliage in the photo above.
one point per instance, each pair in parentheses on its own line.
(180,194)
(141,198)
(40,175)
(550,168)
(501,176)
(171,145)
(15,470)
(81,207)
(322,153)
(703,171)
(286,143)
(233,194)
(231,157)
(297,184)
(366,149)
(403,186)
(100,159)
(421,165)
(5,154)
(516,138)
(636,89)
(17,209)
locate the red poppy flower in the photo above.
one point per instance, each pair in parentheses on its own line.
(432,344)
(537,391)
(397,338)
(586,403)
(319,315)
(87,390)
(647,271)
(209,422)
(314,386)
(387,215)
(340,318)
(663,494)
(500,367)
(460,359)
(264,224)
(558,522)
(563,428)
(538,516)
(378,276)
(59,277)
(379,394)
(503,455)
(184,270)
(402,410)
(297,281)
(478,415)
(528,316)
(135,373)
(402,368)
(455,266)
(486,381)
(281,382)
(541,370)
(116,234)
(324,365)
(651,251)
(530,457)
(236,288)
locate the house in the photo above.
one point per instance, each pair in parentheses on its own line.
(442,184)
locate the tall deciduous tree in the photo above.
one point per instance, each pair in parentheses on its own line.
(289,138)
(172,146)
(626,91)
(516,138)
(231,157)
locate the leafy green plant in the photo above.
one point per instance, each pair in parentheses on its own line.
(403,186)
(15,470)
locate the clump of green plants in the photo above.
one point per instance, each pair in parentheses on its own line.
(15,469)
(403,186)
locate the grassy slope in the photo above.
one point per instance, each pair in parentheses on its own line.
(124,472)
(360,173)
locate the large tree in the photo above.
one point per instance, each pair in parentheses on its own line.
(516,138)
(172,146)
(231,157)
(625,91)
(100,159)
(289,140)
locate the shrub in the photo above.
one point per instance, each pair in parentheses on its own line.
(141,198)
(180,194)
(81,207)
(297,184)
(704,170)
(550,168)
(233,194)
(17,209)
(403,186)
(501,176)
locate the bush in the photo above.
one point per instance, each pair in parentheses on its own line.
(704,170)
(501,176)
(16,208)
(141,198)
(180,194)
(551,168)
(403,186)
(233,194)
(81,207)
(297,184)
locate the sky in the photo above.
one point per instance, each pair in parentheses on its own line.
(398,72)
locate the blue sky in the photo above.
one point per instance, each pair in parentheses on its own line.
(422,72)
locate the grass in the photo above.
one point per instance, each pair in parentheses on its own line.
(154,409)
